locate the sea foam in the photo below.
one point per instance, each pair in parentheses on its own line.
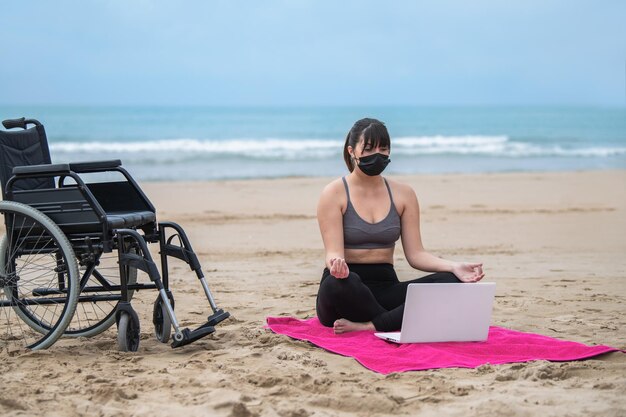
(290,149)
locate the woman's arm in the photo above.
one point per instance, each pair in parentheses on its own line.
(414,250)
(330,220)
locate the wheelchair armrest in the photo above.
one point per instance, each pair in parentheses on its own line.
(47,170)
(94,166)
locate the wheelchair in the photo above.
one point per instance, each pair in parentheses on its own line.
(72,249)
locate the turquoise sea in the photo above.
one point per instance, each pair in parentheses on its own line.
(197,143)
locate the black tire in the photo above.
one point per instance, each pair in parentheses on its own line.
(128,330)
(40,279)
(161,320)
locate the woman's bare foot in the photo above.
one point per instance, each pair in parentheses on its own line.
(345,326)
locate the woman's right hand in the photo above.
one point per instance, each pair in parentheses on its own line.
(339,268)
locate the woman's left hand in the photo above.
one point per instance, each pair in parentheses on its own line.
(468,272)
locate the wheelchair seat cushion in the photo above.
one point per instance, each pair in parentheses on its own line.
(123,219)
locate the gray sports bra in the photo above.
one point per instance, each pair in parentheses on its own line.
(359,234)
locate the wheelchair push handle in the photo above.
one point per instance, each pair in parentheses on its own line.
(21,122)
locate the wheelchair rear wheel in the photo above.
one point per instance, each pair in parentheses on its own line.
(39,279)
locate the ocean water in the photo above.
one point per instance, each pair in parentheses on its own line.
(198,143)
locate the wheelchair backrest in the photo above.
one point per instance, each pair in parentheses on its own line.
(20,147)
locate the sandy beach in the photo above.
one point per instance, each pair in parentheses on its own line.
(555,244)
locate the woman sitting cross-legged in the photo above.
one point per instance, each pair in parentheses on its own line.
(361,216)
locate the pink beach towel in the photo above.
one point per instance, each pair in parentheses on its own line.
(502,346)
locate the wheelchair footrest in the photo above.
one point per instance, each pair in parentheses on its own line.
(190,336)
(219,316)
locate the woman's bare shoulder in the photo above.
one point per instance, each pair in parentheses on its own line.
(335,192)
(333,187)
(401,190)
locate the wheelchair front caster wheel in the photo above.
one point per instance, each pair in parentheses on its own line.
(128,332)
(161,320)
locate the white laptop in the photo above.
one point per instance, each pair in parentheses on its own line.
(445,313)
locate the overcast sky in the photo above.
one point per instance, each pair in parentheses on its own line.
(313,52)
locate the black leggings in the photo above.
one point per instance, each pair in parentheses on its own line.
(372,292)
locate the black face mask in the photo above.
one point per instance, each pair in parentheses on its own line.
(373,165)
